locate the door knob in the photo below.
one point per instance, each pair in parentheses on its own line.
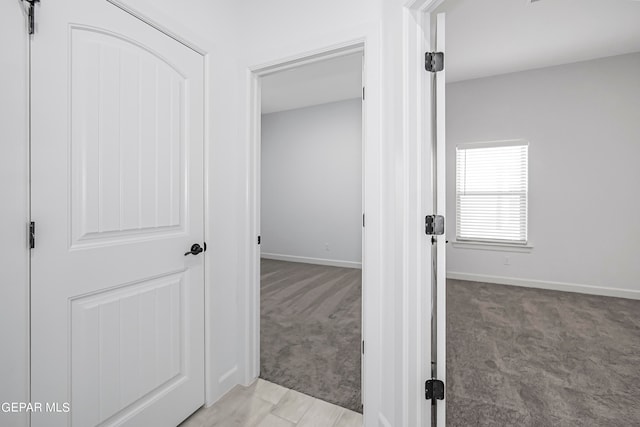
(195,250)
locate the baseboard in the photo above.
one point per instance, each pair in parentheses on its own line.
(228,374)
(226,382)
(307,260)
(542,284)
(383,421)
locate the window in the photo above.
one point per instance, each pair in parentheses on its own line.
(491,192)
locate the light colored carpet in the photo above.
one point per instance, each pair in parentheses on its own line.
(310,330)
(515,356)
(531,357)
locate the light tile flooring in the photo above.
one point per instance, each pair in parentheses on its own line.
(265,404)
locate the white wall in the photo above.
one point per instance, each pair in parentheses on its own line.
(276,30)
(14,213)
(583,124)
(311,208)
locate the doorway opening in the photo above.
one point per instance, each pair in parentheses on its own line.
(536,309)
(311,220)
(308,182)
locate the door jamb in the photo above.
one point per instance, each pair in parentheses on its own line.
(416,91)
(255,74)
(417,37)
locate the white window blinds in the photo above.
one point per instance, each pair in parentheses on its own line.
(491,192)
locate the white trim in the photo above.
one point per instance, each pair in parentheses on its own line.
(441,191)
(487,246)
(228,374)
(16,300)
(252,314)
(543,284)
(424,7)
(208,351)
(295,61)
(416,352)
(309,260)
(493,144)
(154,18)
(371,147)
(417,202)
(384,422)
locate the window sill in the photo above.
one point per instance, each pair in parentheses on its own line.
(485,246)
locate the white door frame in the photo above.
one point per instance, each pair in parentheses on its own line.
(418,36)
(14,216)
(255,84)
(417,203)
(255,75)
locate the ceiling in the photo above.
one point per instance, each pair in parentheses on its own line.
(491,37)
(330,80)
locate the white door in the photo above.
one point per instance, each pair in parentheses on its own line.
(117,196)
(439,273)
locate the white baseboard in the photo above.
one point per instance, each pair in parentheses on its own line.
(228,374)
(383,421)
(307,260)
(542,284)
(226,382)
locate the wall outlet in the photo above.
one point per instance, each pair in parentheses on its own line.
(507,261)
(326,247)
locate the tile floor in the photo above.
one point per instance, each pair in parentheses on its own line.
(265,404)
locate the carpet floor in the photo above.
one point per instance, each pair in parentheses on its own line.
(310,330)
(530,357)
(515,356)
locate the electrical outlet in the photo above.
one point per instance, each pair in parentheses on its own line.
(326,247)
(507,261)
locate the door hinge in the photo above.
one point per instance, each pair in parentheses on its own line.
(434,61)
(32,235)
(434,390)
(31,15)
(363,93)
(363,220)
(259,239)
(362,346)
(434,225)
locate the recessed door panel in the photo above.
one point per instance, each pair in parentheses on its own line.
(128,347)
(128,140)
